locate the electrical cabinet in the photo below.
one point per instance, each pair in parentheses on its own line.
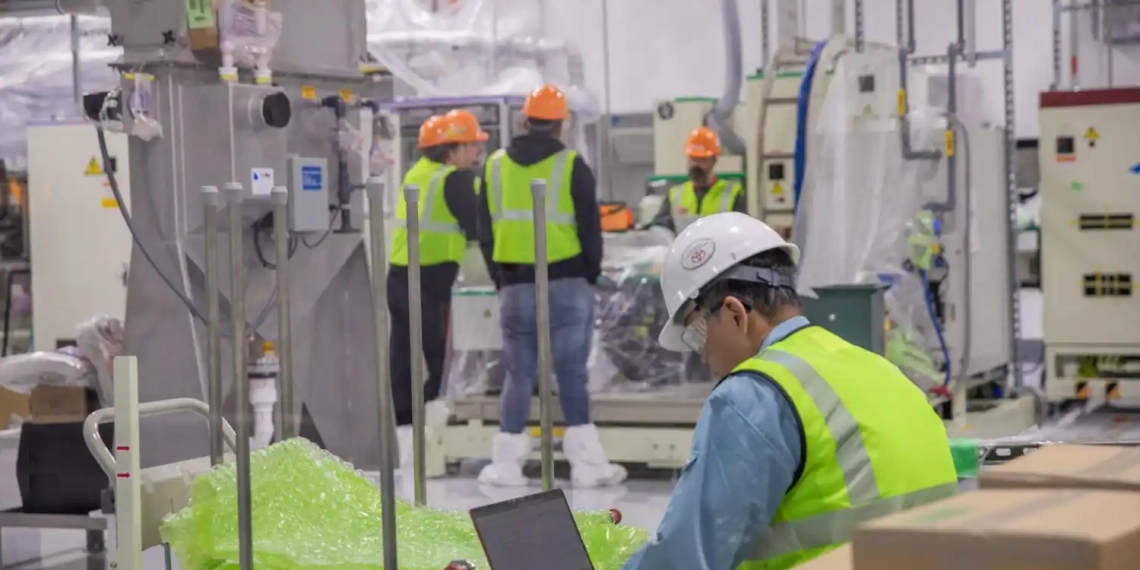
(80,246)
(1090,251)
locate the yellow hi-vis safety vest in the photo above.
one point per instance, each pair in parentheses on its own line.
(874,445)
(441,238)
(719,198)
(512,208)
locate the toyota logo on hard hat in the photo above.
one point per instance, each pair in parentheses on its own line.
(697,254)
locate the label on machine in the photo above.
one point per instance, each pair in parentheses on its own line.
(261,181)
(312,178)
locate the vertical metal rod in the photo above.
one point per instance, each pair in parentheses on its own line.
(234,198)
(1056,83)
(210,200)
(910,39)
(1014,316)
(416,338)
(286,415)
(76,71)
(970,13)
(1074,48)
(542,313)
(379,254)
(860,31)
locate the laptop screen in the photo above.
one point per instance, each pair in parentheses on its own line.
(532,532)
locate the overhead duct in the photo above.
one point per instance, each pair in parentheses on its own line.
(721,113)
(81,7)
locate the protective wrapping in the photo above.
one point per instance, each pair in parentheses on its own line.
(36,74)
(860,219)
(312,510)
(629,314)
(475,47)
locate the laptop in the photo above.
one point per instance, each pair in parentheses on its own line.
(532,532)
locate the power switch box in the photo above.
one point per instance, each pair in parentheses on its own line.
(309,195)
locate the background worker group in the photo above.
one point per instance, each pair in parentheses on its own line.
(499,215)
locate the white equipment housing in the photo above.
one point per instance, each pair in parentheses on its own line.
(1089,263)
(80,247)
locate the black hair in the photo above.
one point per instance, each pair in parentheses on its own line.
(440,153)
(552,128)
(767,300)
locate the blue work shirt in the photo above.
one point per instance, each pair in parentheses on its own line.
(746,452)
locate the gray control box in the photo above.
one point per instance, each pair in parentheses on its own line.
(309,194)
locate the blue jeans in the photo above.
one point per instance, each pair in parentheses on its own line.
(571,334)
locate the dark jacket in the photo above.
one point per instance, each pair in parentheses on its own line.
(664,217)
(527,150)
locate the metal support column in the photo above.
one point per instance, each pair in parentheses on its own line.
(1014,315)
(286,412)
(542,300)
(234,198)
(416,338)
(210,201)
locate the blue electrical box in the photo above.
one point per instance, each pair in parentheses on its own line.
(309,195)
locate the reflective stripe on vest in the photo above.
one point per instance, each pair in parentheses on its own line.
(679,193)
(553,193)
(788,537)
(434,189)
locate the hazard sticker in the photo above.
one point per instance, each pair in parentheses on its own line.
(697,254)
(93,168)
(777,189)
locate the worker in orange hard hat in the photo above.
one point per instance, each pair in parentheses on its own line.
(574,253)
(704,193)
(450,145)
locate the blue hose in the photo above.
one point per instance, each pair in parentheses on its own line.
(803,107)
(929,294)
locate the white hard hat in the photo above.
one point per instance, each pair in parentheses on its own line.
(707,249)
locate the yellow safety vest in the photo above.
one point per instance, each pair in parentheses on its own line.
(441,238)
(512,209)
(719,198)
(874,445)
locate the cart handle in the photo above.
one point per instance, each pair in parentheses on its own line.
(103,455)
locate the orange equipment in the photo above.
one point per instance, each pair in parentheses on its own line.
(463,127)
(702,143)
(547,103)
(434,131)
(616,217)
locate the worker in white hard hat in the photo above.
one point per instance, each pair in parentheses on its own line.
(804,436)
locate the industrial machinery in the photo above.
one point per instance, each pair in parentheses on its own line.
(75,280)
(1088,242)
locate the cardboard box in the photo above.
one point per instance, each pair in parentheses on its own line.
(59,404)
(839,559)
(13,408)
(1068,467)
(1008,530)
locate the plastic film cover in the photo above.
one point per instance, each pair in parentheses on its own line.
(860,219)
(630,313)
(312,510)
(36,74)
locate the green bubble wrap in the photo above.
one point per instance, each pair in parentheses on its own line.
(312,510)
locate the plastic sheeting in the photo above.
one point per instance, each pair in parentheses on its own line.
(36,74)
(630,313)
(312,510)
(860,219)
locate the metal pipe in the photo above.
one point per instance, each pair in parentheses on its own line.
(378,254)
(211,201)
(1056,46)
(970,14)
(910,44)
(76,72)
(721,113)
(860,33)
(960,16)
(234,197)
(415,334)
(1011,194)
(603,127)
(286,413)
(951,202)
(542,311)
(765,34)
(1074,49)
(908,153)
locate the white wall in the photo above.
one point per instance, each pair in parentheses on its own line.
(670,48)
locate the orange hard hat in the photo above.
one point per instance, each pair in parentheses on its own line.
(463,127)
(702,143)
(433,132)
(547,103)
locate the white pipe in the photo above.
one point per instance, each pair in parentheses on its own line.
(262,397)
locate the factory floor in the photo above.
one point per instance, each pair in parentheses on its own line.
(641,502)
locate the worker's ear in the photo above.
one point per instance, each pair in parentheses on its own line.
(734,308)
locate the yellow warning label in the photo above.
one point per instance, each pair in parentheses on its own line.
(777,189)
(109,203)
(308,92)
(93,168)
(557,431)
(902,102)
(1091,134)
(347,95)
(949,142)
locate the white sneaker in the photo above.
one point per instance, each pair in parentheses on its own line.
(508,455)
(436,413)
(589,466)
